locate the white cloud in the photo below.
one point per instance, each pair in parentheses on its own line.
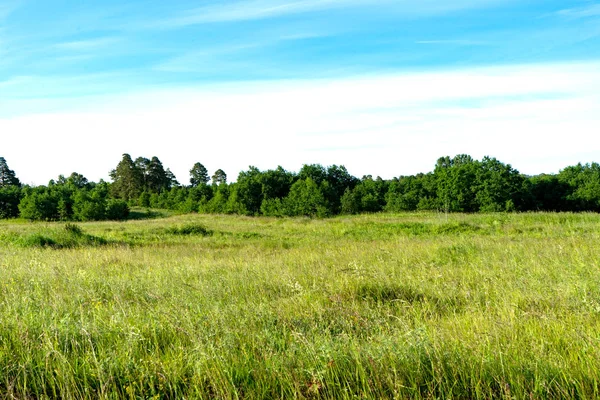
(539,118)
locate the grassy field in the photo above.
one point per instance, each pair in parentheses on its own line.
(378,306)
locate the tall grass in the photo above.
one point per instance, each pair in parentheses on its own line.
(379,306)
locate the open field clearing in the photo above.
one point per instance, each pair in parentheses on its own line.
(376,306)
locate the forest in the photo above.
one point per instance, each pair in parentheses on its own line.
(458,184)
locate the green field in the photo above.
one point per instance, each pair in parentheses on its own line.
(376,306)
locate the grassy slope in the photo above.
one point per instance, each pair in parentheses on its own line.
(385,306)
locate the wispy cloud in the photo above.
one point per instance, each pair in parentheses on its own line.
(252,9)
(262,9)
(592,10)
(89,44)
(221,57)
(459,42)
(6,8)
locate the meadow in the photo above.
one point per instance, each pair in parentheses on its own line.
(414,305)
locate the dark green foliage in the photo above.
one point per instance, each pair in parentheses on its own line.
(332,181)
(218,203)
(74,181)
(410,193)
(368,196)
(584,186)
(498,187)
(547,193)
(144,199)
(272,208)
(41,204)
(70,236)
(276,183)
(198,175)
(457,184)
(89,206)
(219,177)
(338,179)
(7,175)
(156,177)
(64,201)
(249,191)
(116,210)
(195,197)
(455,178)
(128,179)
(306,199)
(10,197)
(131,179)
(189,229)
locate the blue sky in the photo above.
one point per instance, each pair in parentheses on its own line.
(265,82)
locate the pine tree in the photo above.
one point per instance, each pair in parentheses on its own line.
(7,175)
(128,180)
(198,175)
(156,178)
(219,177)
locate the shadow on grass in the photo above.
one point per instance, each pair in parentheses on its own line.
(147,213)
(70,236)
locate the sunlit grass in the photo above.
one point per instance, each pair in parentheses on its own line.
(376,306)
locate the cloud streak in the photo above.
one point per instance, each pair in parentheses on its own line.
(592,10)
(90,44)
(459,42)
(263,9)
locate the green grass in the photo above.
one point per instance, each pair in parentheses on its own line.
(378,306)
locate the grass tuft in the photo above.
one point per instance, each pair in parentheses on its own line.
(70,236)
(189,229)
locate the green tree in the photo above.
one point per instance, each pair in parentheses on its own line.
(218,202)
(157,179)
(337,178)
(409,193)
(128,180)
(276,183)
(248,192)
(77,180)
(454,179)
(7,175)
(171,179)
(367,196)
(497,186)
(198,175)
(219,177)
(10,197)
(40,204)
(89,206)
(143,165)
(584,186)
(306,199)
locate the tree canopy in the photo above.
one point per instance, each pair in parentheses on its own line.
(456,184)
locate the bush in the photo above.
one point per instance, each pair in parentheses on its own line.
(71,236)
(117,209)
(189,229)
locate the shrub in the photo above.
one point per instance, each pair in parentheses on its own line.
(117,209)
(189,229)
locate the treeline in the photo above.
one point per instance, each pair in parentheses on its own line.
(459,184)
